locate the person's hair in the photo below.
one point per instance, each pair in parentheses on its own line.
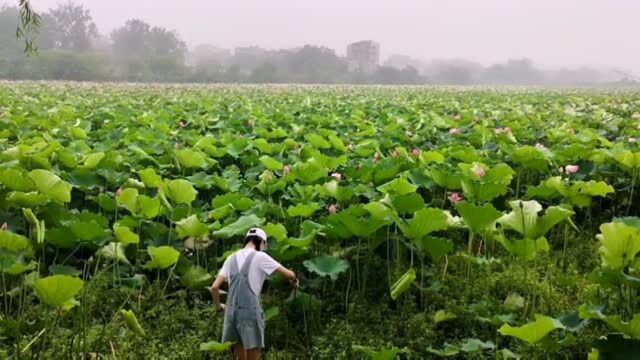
(255,239)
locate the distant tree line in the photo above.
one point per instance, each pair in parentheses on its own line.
(71,48)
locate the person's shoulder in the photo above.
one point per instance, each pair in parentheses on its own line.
(264,256)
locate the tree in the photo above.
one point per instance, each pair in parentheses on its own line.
(72,26)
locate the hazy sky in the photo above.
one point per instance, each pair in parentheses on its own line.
(551,32)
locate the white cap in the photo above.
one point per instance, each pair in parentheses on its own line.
(257,232)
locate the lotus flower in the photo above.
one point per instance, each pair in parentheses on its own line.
(336,176)
(251,122)
(571,169)
(395,153)
(571,131)
(479,171)
(455,197)
(632,140)
(5,226)
(561,170)
(118,192)
(454,131)
(507,130)
(286,170)
(415,152)
(181,124)
(540,147)
(350,147)
(333,208)
(497,131)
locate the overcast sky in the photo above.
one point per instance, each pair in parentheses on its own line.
(551,32)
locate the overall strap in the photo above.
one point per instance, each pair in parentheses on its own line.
(247,263)
(233,264)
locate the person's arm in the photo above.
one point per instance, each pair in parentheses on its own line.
(215,292)
(290,275)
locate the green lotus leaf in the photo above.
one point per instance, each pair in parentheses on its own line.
(237,147)
(424,222)
(326,265)
(58,269)
(408,203)
(309,172)
(524,218)
(380,211)
(124,235)
(337,143)
(14,242)
(162,257)
(191,227)
(91,161)
(132,322)
(399,186)
(445,178)
(271,163)
(435,247)
(114,251)
(87,230)
(237,200)
(476,345)
(332,189)
(303,210)
(513,302)
(216,346)
(239,227)
(628,160)
(359,225)
(532,332)
(276,231)
(28,200)
(383,354)
(51,185)
(150,178)
(303,302)
(530,157)
(431,157)
(525,248)
(180,191)
(263,146)
(479,218)
(620,243)
(196,278)
(318,141)
(442,316)
(57,290)
(402,284)
(447,350)
(190,159)
(15,180)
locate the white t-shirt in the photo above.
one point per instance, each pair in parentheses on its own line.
(262,266)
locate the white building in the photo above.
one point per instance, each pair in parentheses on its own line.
(363,56)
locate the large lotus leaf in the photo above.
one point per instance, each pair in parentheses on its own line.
(399,186)
(431,156)
(114,251)
(239,227)
(162,257)
(341,193)
(318,141)
(51,185)
(132,321)
(216,346)
(14,242)
(476,345)
(148,207)
(630,328)
(271,313)
(150,178)
(308,234)
(128,198)
(435,247)
(499,174)
(91,161)
(124,235)
(384,354)
(525,220)
(326,265)
(237,200)
(478,218)
(329,163)
(620,243)
(303,302)
(191,227)
(483,191)
(263,146)
(532,332)
(57,290)
(447,350)
(180,191)
(190,159)
(408,203)
(442,316)
(196,278)
(276,231)
(28,200)
(87,230)
(358,225)
(628,160)
(380,211)
(445,178)
(525,248)
(15,180)
(271,163)
(303,210)
(530,158)
(424,222)
(402,284)
(308,172)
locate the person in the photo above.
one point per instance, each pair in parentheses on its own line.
(245,272)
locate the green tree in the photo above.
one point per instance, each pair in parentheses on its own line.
(72,27)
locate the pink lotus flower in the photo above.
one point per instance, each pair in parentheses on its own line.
(118,192)
(286,170)
(507,130)
(332,208)
(479,171)
(540,147)
(415,152)
(561,170)
(455,197)
(268,177)
(632,140)
(336,176)
(454,131)
(5,226)
(350,147)
(571,169)
(497,131)
(181,124)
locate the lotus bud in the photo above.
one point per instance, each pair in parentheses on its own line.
(455,197)
(336,176)
(479,171)
(415,152)
(332,209)
(251,122)
(454,131)
(358,166)
(5,226)
(286,170)
(561,170)
(632,140)
(118,192)
(350,147)
(395,153)
(507,130)
(540,147)
(571,131)
(497,131)
(181,124)
(571,169)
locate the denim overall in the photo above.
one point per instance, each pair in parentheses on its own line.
(243,316)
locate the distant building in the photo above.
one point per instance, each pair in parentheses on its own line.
(363,56)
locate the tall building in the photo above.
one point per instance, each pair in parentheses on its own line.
(363,56)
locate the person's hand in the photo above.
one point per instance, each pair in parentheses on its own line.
(220,307)
(295,282)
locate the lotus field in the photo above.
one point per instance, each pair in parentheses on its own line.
(424,223)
